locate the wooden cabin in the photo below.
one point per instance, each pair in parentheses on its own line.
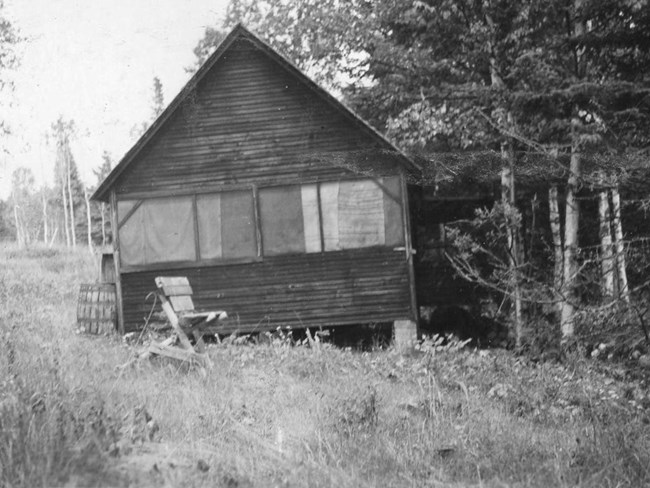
(279,204)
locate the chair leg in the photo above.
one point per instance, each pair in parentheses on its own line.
(199,343)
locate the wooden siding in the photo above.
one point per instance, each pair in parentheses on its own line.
(334,288)
(251,121)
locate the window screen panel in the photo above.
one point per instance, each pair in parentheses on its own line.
(131,234)
(393,216)
(282,220)
(169,230)
(361,214)
(311,218)
(238,225)
(123,208)
(209,218)
(329,197)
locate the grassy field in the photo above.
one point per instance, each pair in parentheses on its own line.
(280,414)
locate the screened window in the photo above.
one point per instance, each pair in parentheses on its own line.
(293,219)
(362,213)
(156,230)
(351,214)
(226,223)
(289,218)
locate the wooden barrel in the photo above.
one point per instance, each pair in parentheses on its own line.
(96,309)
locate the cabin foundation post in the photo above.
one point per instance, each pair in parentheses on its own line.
(405,334)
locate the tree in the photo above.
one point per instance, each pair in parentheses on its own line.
(25,203)
(158,99)
(101,173)
(502,70)
(9,38)
(6,231)
(157,107)
(67,178)
(212,37)
(601,99)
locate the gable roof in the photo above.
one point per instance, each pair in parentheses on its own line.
(240,32)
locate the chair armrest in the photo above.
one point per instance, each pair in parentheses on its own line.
(208,316)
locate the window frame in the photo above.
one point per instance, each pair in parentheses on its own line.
(254,190)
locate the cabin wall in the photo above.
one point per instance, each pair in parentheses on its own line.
(333,288)
(249,121)
(251,124)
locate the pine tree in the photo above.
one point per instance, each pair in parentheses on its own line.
(158,99)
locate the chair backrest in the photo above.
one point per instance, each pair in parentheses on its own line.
(178,291)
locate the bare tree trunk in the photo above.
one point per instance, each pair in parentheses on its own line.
(103,208)
(20,236)
(65,213)
(512,234)
(56,231)
(70,201)
(572,216)
(623,290)
(88,221)
(571,221)
(558,252)
(606,251)
(45,229)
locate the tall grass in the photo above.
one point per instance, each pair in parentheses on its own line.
(275,414)
(51,421)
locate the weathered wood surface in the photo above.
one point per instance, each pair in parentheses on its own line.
(174,352)
(303,290)
(96,308)
(174,285)
(250,121)
(184,318)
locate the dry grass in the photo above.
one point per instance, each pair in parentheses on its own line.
(278,415)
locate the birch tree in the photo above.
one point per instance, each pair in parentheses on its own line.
(607,263)
(26,206)
(67,178)
(100,174)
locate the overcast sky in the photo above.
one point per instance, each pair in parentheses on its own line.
(94,61)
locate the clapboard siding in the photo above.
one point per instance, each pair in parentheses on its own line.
(334,288)
(249,120)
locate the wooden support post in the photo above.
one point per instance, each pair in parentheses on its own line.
(408,244)
(116,263)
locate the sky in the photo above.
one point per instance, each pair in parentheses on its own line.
(93,61)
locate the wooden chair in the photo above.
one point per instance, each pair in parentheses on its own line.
(175,294)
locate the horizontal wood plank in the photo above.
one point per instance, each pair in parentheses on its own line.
(249,121)
(327,289)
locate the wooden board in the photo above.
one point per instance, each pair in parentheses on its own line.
(174,285)
(96,308)
(307,290)
(182,303)
(251,121)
